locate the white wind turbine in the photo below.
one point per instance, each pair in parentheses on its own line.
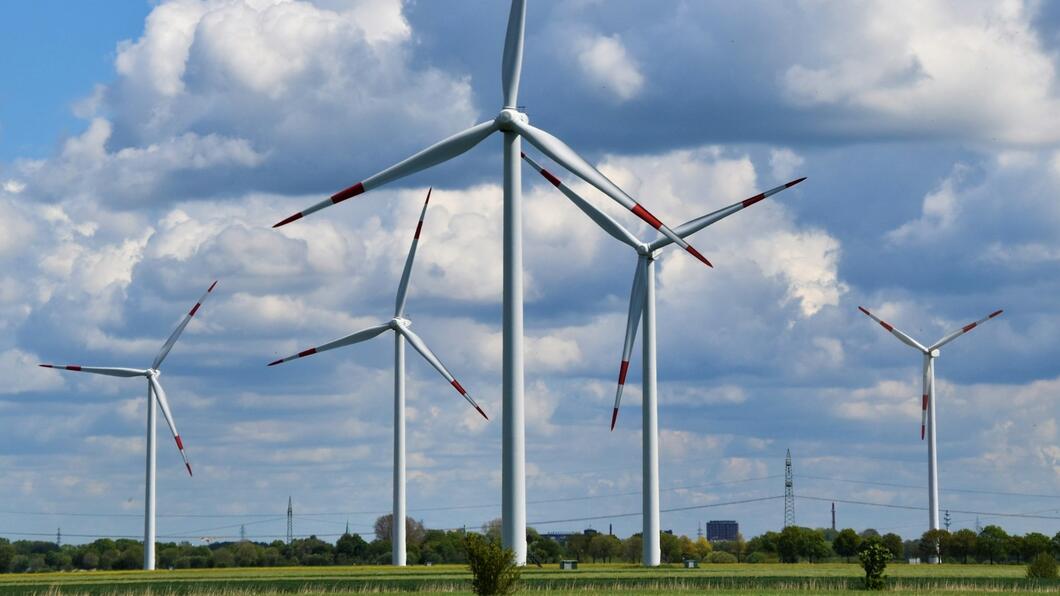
(642,306)
(400,325)
(927,409)
(155,393)
(514,125)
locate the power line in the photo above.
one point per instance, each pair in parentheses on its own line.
(915,508)
(951,490)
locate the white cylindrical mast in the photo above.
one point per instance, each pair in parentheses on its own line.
(149,491)
(513,450)
(650,427)
(397,523)
(933,467)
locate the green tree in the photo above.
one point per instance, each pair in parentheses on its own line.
(846,543)
(963,544)
(578,546)
(670,546)
(992,544)
(1042,567)
(414,531)
(790,545)
(874,556)
(765,543)
(933,543)
(633,548)
(1034,544)
(350,548)
(493,568)
(893,542)
(7,553)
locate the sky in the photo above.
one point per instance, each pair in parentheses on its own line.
(146,149)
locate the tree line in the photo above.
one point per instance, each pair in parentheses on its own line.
(426,546)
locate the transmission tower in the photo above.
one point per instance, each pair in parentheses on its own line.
(242,533)
(833,516)
(789,493)
(699,529)
(946,520)
(58,537)
(290,521)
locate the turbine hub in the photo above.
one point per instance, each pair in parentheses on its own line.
(507,116)
(935,353)
(400,322)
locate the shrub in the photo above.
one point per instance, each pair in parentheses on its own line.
(721,557)
(874,556)
(493,568)
(1042,567)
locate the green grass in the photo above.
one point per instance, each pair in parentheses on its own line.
(832,578)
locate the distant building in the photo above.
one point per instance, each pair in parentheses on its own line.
(722,531)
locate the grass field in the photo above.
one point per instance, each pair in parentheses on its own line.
(454,579)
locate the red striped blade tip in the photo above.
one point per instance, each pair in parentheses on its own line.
(428,199)
(481,412)
(180,444)
(188,466)
(294,217)
(614,418)
(194,309)
(346,193)
(275,362)
(862,309)
(968,327)
(46,366)
(921,432)
(212,286)
(995,313)
(794,182)
(695,253)
(644,214)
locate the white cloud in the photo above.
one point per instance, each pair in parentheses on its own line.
(21,373)
(607,64)
(975,68)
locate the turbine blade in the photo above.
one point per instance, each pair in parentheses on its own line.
(166,347)
(403,286)
(559,152)
(433,155)
(353,338)
(98,370)
(512,62)
(926,394)
(691,227)
(421,347)
(954,335)
(602,219)
(637,297)
(902,336)
(163,403)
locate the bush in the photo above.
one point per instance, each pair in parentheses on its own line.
(493,568)
(1042,567)
(721,557)
(874,556)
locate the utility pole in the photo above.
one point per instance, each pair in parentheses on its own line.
(833,516)
(789,493)
(290,521)
(58,537)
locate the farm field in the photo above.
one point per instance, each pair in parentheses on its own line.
(833,578)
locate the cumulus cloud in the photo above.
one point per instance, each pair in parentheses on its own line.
(607,64)
(979,70)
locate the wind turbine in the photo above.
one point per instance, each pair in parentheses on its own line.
(514,125)
(927,408)
(642,306)
(154,393)
(400,325)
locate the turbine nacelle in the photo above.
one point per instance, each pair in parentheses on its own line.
(934,353)
(400,322)
(509,118)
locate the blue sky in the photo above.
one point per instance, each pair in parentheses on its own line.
(146,150)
